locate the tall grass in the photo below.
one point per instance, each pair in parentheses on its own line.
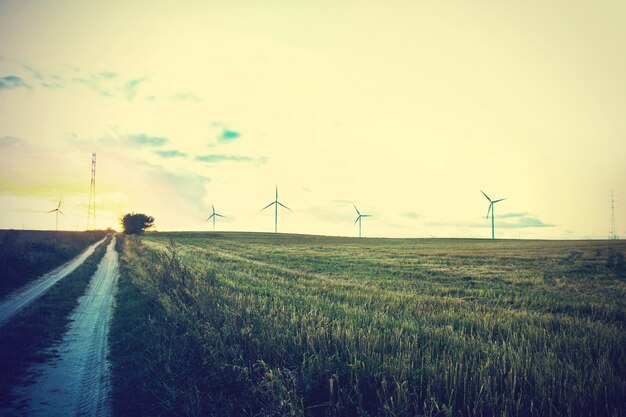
(392,328)
(27,254)
(25,338)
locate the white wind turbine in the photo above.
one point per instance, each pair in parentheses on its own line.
(213,216)
(359,217)
(58,210)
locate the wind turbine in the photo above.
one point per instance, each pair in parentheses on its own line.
(276,203)
(359,217)
(213,216)
(491,209)
(58,210)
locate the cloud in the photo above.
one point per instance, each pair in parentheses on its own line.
(131,87)
(411,215)
(223,158)
(504,221)
(143,139)
(525,222)
(12,81)
(171,154)
(52,81)
(11,141)
(513,215)
(108,75)
(104,83)
(185,97)
(229,135)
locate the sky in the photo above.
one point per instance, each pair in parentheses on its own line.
(406,109)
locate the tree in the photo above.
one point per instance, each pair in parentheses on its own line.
(136,223)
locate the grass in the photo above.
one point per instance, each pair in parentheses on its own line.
(38,326)
(254,324)
(27,254)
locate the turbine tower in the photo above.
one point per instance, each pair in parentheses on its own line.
(612,232)
(213,216)
(58,210)
(91,208)
(359,217)
(491,208)
(276,203)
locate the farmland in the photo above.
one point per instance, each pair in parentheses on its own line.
(255,324)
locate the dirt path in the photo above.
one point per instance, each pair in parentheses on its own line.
(76,381)
(21,297)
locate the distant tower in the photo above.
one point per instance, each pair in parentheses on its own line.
(91,209)
(612,233)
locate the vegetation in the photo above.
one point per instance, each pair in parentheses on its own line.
(40,325)
(251,324)
(26,255)
(136,223)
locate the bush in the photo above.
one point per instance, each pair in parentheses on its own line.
(136,223)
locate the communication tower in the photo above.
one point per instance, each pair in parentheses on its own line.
(91,209)
(612,232)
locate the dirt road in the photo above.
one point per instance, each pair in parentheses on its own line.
(21,297)
(76,382)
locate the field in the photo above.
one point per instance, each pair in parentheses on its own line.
(27,254)
(256,324)
(38,326)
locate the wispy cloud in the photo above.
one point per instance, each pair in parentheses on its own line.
(525,222)
(503,221)
(215,158)
(185,97)
(411,215)
(105,83)
(171,154)
(514,215)
(11,141)
(143,139)
(12,81)
(131,87)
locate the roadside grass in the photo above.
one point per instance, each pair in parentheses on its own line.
(291,325)
(27,254)
(30,332)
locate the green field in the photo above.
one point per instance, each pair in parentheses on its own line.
(260,324)
(27,254)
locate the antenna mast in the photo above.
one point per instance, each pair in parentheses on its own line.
(612,233)
(91,209)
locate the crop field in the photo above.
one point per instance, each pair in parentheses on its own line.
(260,324)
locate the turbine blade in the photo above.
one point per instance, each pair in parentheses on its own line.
(486,195)
(357,210)
(284,206)
(502,199)
(489,210)
(269,205)
(61,213)
(366,215)
(213,208)
(52,210)
(357,219)
(219,215)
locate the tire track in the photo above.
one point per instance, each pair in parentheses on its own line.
(22,297)
(77,381)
